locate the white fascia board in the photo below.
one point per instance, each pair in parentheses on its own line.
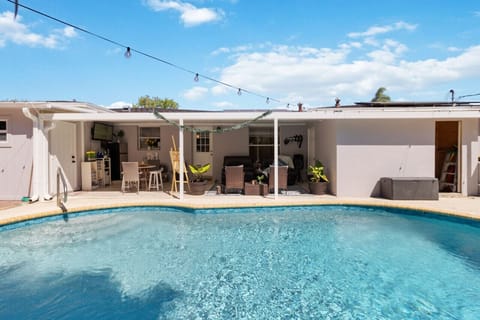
(388,113)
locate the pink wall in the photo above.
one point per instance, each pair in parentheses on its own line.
(368,150)
(16,156)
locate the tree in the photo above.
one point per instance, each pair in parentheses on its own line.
(380,95)
(155,102)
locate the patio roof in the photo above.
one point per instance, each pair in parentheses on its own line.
(391,112)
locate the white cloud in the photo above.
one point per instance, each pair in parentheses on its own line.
(13,30)
(223,104)
(316,76)
(376,30)
(189,14)
(195,93)
(119,104)
(476,13)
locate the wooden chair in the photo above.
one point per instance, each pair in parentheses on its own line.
(130,175)
(234,177)
(175,159)
(282,178)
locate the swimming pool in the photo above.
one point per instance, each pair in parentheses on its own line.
(330,262)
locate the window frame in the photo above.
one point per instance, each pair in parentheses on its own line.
(5,131)
(143,136)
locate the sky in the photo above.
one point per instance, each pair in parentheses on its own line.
(277,52)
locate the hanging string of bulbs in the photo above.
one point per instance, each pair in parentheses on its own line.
(130,50)
(217,129)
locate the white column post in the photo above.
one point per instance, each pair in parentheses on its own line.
(182,159)
(275,152)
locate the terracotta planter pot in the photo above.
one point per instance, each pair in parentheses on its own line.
(198,188)
(318,187)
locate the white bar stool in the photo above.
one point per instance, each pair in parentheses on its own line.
(155,178)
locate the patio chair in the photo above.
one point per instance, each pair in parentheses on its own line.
(282,178)
(234,178)
(130,176)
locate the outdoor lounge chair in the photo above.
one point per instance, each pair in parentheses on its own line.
(282,178)
(130,176)
(234,178)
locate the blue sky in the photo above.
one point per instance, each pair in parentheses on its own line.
(307,51)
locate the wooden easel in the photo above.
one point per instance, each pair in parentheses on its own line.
(175,159)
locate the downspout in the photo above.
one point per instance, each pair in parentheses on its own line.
(47,196)
(35,157)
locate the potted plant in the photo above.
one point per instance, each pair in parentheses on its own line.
(318,179)
(199,182)
(263,187)
(151,143)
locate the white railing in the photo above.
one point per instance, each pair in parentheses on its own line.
(60,202)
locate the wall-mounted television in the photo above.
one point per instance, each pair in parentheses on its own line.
(101,131)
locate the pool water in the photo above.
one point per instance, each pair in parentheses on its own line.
(270,263)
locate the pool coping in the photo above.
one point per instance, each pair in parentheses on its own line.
(464,207)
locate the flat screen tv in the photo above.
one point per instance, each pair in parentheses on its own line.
(103,132)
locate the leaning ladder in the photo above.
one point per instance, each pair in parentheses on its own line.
(448,177)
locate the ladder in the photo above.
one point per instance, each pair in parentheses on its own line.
(448,177)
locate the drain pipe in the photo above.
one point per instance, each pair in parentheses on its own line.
(46,161)
(35,157)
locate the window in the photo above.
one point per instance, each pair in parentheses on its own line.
(149,138)
(202,141)
(261,144)
(3,130)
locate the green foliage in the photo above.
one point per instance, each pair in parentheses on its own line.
(155,102)
(380,95)
(260,178)
(198,171)
(318,172)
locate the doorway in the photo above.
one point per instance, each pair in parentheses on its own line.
(447,164)
(63,154)
(203,149)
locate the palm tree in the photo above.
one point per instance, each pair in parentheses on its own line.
(380,95)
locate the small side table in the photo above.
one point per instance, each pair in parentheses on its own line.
(256,189)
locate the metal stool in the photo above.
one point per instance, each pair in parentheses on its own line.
(155,176)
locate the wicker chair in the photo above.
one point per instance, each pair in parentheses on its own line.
(282,178)
(234,178)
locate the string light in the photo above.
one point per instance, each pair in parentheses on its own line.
(129,51)
(216,130)
(196,77)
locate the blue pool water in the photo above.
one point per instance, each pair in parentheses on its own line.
(277,263)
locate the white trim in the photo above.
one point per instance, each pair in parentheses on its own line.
(201,117)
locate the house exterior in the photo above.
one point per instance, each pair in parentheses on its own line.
(357,144)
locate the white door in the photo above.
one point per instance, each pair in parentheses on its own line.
(63,154)
(203,149)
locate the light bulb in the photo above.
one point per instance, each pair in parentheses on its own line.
(128,53)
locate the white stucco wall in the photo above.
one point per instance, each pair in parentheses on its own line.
(326,150)
(370,149)
(16,156)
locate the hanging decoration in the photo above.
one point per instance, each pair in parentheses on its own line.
(217,129)
(298,138)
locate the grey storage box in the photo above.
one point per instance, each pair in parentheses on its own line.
(403,188)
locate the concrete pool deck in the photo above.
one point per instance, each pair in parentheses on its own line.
(448,204)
